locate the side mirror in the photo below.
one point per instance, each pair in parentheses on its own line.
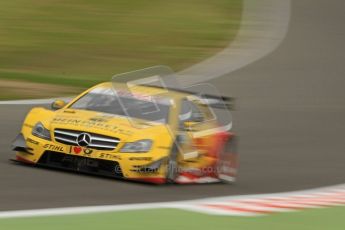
(58,104)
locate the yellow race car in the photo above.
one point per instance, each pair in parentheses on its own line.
(144,133)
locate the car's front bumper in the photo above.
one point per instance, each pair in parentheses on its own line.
(73,158)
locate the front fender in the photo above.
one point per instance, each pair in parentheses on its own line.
(35,115)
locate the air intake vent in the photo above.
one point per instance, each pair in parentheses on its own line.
(100,142)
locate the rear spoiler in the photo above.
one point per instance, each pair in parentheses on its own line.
(218,102)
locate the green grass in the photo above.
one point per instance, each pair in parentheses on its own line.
(316,219)
(82,42)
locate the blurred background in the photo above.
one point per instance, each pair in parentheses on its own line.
(56,47)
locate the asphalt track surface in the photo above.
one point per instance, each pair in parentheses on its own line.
(290,119)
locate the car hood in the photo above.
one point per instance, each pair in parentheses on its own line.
(105,124)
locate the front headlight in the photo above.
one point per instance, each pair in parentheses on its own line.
(141,146)
(40,131)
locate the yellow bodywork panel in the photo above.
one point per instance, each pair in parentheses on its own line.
(106,126)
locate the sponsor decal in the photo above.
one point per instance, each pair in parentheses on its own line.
(101,118)
(88,151)
(90,124)
(53,147)
(32,141)
(98,119)
(109,156)
(79,150)
(140,158)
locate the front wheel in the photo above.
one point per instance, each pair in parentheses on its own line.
(172,165)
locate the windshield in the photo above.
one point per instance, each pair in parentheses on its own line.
(122,103)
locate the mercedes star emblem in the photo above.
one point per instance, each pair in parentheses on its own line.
(84,139)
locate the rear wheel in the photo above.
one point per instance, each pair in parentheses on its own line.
(228,161)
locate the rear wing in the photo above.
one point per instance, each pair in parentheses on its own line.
(164,78)
(218,102)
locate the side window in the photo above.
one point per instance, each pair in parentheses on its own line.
(190,112)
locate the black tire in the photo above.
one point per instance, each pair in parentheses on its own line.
(172,165)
